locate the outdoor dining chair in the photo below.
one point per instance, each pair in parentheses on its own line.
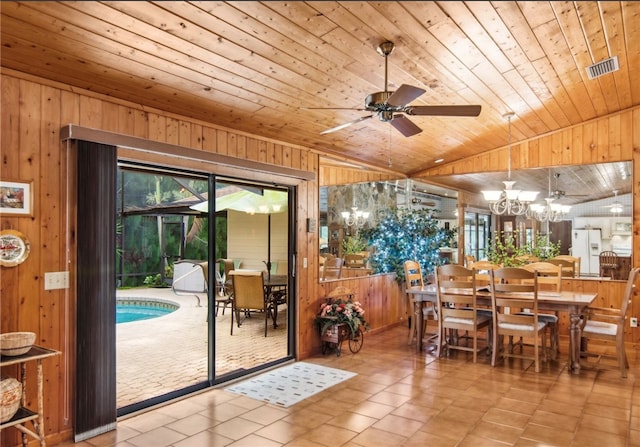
(248,295)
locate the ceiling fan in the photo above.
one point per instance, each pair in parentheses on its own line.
(390,106)
(559,193)
(616,206)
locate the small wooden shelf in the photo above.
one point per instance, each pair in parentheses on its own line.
(25,415)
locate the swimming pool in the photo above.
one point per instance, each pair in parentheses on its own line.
(136,309)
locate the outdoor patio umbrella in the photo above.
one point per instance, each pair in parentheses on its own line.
(255,201)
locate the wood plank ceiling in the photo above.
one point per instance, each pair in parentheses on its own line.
(262,67)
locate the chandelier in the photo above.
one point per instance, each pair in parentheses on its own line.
(549,212)
(355,218)
(510,202)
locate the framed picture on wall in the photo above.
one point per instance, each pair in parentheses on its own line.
(16,198)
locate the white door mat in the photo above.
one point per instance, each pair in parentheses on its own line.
(290,384)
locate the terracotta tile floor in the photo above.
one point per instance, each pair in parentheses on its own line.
(404,398)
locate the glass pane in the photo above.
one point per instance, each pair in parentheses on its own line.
(161,297)
(256,242)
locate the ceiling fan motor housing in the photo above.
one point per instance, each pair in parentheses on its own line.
(377,102)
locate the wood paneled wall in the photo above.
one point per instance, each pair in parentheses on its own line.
(34,110)
(332,176)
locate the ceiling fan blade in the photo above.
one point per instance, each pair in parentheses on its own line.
(451,110)
(404,95)
(333,108)
(405,126)
(342,126)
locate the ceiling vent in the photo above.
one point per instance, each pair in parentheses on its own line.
(603,67)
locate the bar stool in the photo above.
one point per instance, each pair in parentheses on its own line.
(609,264)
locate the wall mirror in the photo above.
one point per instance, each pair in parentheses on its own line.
(346,209)
(600,196)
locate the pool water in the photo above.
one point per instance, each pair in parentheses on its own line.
(137,310)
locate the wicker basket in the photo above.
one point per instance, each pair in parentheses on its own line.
(10,394)
(16,343)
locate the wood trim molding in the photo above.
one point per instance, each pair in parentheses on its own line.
(74,132)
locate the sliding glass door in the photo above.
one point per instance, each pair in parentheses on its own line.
(174,251)
(257,240)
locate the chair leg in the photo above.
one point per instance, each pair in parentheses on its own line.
(496,348)
(622,358)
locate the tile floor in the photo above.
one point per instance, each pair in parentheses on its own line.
(176,350)
(404,398)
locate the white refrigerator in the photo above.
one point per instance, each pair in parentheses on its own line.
(586,244)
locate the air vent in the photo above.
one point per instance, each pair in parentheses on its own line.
(603,67)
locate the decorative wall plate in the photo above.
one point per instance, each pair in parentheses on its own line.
(14,248)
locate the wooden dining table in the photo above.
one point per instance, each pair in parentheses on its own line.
(574,303)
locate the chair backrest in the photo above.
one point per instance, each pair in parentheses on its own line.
(354,260)
(526,259)
(226,265)
(482,269)
(515,280)
(205,272)
(608,258)
(628,294)
(454,276)
(469,260)
(413,274)
(574,259)
(248,289)
(568,267)
(332,268)
(548,273)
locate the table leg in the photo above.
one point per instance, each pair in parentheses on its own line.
(574,342)
(418,315)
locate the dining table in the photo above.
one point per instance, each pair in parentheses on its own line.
(275,288)
(574,303)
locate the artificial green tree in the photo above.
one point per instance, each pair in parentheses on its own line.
(403,234)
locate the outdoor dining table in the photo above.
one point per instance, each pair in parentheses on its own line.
(275,287)
(574,303)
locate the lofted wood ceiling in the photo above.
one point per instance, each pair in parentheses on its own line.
(264,67)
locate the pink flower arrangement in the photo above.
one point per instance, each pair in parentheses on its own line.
(341,312)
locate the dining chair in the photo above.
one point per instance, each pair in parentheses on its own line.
(609,264)
(414,279)
(469,260)
(526,259)
(549,275)
(509,318)
(332,268)
(570,265)
(606,325)
(482,269)
(458,312)
(248,295)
